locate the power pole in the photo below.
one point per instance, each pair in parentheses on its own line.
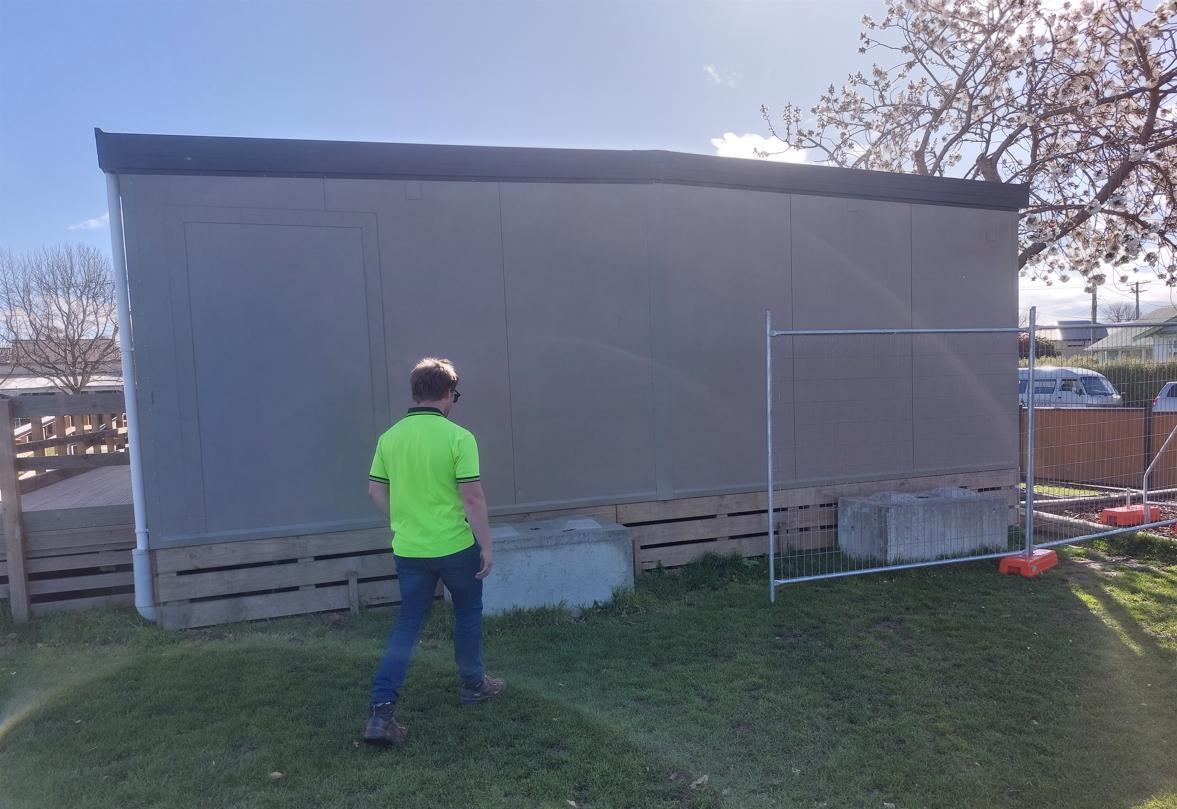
(1136,288)
(1094,315)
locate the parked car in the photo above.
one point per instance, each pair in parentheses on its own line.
(1166,401)
(1059,386)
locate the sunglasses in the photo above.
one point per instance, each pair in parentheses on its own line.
(457,396)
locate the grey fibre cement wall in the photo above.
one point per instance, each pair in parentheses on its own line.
(609,337)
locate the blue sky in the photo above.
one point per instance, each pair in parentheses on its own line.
(615,74)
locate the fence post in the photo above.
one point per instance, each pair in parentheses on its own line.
(1147,433)
(18,586)
(1032,346)
(768,422)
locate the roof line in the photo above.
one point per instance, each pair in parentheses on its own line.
(261,157)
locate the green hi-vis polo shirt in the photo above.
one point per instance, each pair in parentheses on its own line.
(423,458)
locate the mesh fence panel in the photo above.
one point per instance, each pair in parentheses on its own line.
(887,434)
(1105,417)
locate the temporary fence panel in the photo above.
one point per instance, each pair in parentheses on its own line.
(888,405)
(1095,426)
(1104,439)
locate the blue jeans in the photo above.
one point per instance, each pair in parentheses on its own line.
(418,583)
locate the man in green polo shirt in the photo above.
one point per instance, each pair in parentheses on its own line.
(425,478)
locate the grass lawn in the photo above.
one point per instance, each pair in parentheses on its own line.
(1060,490)
(949,687)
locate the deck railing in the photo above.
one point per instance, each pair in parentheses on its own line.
(52,436)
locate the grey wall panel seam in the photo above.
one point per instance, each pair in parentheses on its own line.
(195,383)
(507,347)
(381,395)
(911,317)
(792,270)
(661,402)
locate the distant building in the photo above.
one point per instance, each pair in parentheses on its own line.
(17,380)
(1150,338)
(1072,337)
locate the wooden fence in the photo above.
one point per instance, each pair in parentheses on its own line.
(1101,446)
(62,554)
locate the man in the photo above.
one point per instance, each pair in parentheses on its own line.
(425,478)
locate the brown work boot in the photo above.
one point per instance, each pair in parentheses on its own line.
(488,689)
(382,729)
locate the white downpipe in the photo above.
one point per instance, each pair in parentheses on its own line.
(140,557)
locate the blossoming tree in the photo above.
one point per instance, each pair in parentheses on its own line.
(1078,99)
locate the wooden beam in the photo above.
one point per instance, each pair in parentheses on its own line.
(78,584)
(229,554)
(58,404)
(84,440)
(74,604)
(67,519)
(185,614)
(273,577)
(74,461)
(78,540)
(18,586)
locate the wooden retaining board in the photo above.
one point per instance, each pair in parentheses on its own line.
(201,585)
(673,533)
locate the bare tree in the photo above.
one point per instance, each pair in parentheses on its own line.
(58,314)
(1118,312)
(1077,99)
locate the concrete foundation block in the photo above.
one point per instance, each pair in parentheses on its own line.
(574,561)
(898,527)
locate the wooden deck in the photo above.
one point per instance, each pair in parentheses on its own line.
(107,486)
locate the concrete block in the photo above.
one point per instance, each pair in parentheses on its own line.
(897,527)
(574,561)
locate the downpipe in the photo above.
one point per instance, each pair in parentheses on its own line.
(140,557)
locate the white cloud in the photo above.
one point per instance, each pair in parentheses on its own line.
(746,145)
(715,77)
(92,224)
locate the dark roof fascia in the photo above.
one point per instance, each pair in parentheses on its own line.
(253,157)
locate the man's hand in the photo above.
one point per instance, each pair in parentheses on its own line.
(488,561)
(474,503)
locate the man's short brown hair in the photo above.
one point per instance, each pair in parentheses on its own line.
(432,379)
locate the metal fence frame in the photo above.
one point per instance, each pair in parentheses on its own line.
(1030,545)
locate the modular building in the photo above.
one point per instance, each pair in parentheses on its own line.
(606,312)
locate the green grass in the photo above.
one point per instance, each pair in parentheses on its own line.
(1058,490)
(947,687)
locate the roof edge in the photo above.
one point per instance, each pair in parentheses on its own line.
(125,153)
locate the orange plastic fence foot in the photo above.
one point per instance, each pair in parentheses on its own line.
(1129,515)
(1039,562)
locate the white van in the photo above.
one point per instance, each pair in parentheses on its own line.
(1057,386)
(1166,401)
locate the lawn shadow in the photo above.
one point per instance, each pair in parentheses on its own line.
(199,726)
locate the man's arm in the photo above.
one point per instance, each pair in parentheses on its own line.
(474,502)
(379,494)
